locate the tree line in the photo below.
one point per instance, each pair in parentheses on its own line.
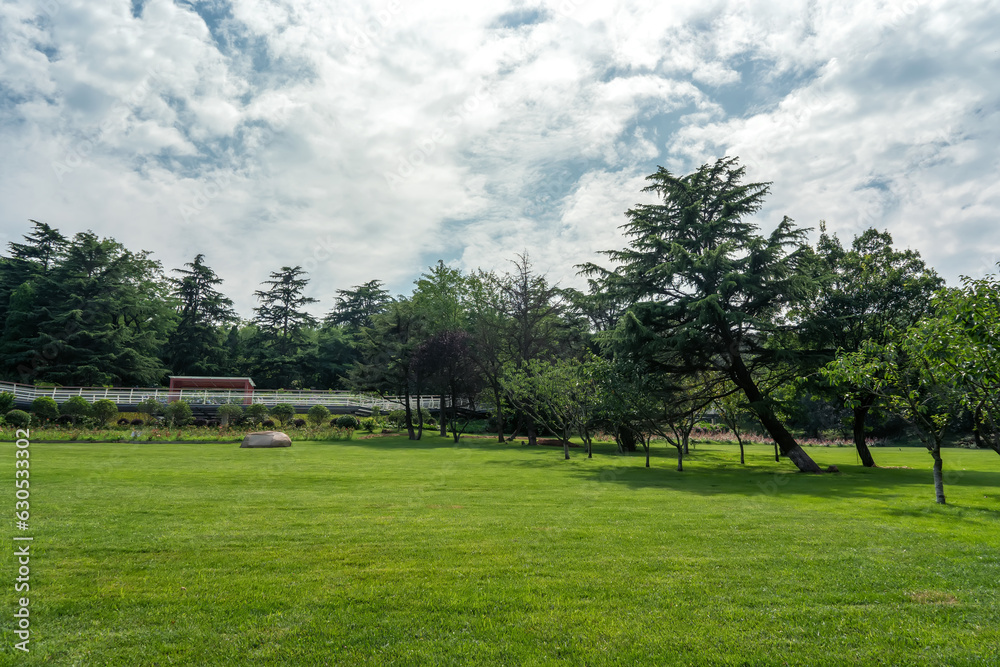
(701,312)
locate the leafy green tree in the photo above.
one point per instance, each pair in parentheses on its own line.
(75,407)
(45,408)
(869,291)
(709,293)
(966,333)
(283,412)
(318,415)
(104,411)
(6,402)
(559,394)
(282,327)
(356,307)
(178,413)
(197,346)
(910,378)
(445,360)
(439,299)
(387,364)
(42,249)
(105,315)
(335,353)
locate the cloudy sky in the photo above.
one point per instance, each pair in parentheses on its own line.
(368,140)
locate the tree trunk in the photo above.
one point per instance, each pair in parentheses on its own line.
(532,435)
(498,413)
(645,445)
(743,460)
(409,413)
(680,459)
(782,438)
(444,419)
(777,458)
(938,477)
(566,444)
(860,412)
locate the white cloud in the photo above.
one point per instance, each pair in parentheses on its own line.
(365,141)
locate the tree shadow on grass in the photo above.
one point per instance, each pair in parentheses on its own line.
(714,473)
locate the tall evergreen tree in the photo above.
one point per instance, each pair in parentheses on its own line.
(355,307)
(197,345)
(283,327)
(103,314)
(709,292)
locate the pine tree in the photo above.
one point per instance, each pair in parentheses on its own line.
(197,345)
(708,291)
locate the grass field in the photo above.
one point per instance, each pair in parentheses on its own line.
(383,551)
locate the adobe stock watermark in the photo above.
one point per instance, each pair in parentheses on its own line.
(895,13)
(371,34)
(415,158)
(79,152)
(22,542)
(214,185)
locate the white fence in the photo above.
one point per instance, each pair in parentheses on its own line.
(25,393)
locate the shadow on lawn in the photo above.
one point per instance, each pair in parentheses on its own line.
(713,473)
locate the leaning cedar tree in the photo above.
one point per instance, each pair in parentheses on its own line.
(708,292)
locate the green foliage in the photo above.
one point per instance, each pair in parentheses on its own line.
(284,328)
(318,414)
(356,307)
(17,418)
(709,292)
(229,413)
(104,411)
(348,421)
(150,407)
(45,408)
(197,345)
(282,412)
(76,407)
(255,413)
(178,413)
(6,402)
(371,424)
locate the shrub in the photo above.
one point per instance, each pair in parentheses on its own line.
(282,412)
(255,413)
(126,422)
(149,407)
(398,417)
(348,421)
(6,402)
(45,408)
(370,424)
(268,423)
(63,420)
(318,414)
(137,422)
(178,413)
(75,407)
(229,412)
(299,423)
(17,418)
(104,411)
(200,422)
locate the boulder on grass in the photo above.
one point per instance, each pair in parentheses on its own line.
(266,439)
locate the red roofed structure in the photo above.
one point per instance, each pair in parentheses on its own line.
(195,382)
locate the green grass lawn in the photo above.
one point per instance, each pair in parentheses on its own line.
(383,551)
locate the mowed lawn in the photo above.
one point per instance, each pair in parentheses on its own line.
(389,552)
